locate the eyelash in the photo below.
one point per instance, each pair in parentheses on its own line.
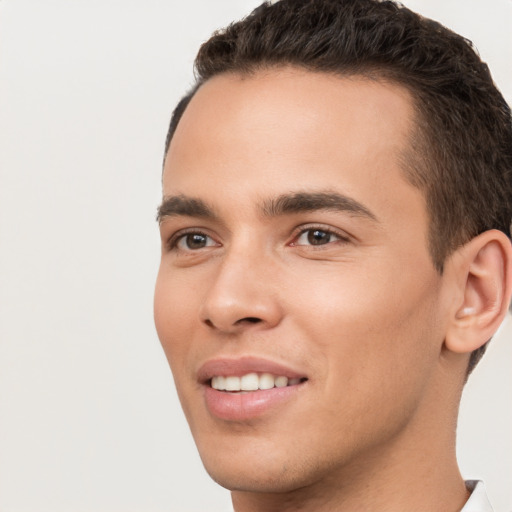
(341,236)
(173,242)
(299,232)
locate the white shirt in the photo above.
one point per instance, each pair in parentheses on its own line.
(478,501)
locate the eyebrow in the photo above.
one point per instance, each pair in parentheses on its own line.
(308,202)
(175,206)
(295,202)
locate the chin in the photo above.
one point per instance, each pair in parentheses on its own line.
(252,480)
(262,470)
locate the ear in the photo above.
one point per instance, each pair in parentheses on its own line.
(483,268)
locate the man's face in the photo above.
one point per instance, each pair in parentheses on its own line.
(293,246)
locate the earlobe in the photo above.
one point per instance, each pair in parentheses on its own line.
(484,267)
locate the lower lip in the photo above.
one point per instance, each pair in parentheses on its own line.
(246,406)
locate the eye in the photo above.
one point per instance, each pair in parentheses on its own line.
(317,236)
(193,241)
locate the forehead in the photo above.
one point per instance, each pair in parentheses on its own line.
(289,128)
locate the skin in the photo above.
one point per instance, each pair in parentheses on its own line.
(364,315)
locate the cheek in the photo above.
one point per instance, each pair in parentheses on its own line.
(375,352)
(372,325)
(174,314)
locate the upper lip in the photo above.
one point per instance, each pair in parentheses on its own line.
(242,366)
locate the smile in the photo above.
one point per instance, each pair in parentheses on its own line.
(252,382)
(247,388)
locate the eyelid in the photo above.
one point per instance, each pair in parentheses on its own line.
(300,230)
(173,240)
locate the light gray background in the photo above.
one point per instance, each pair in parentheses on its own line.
(89,420)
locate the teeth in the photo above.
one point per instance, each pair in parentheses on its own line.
(252,382)
(232,383)
(267,381)
(219,382)
(249,382)
(282,382)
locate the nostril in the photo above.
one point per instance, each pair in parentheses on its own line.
(249,319)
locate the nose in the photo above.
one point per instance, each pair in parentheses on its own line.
(242,294)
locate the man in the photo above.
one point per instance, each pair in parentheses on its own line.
(335,255)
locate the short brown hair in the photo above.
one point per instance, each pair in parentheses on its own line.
(461,152)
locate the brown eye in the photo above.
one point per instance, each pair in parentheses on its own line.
(316,237)
(194,241)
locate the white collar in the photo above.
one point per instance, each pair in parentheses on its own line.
(478,501)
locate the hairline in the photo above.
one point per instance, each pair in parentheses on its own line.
(413,160)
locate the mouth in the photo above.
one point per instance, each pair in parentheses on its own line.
(248,388)
(253,381)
